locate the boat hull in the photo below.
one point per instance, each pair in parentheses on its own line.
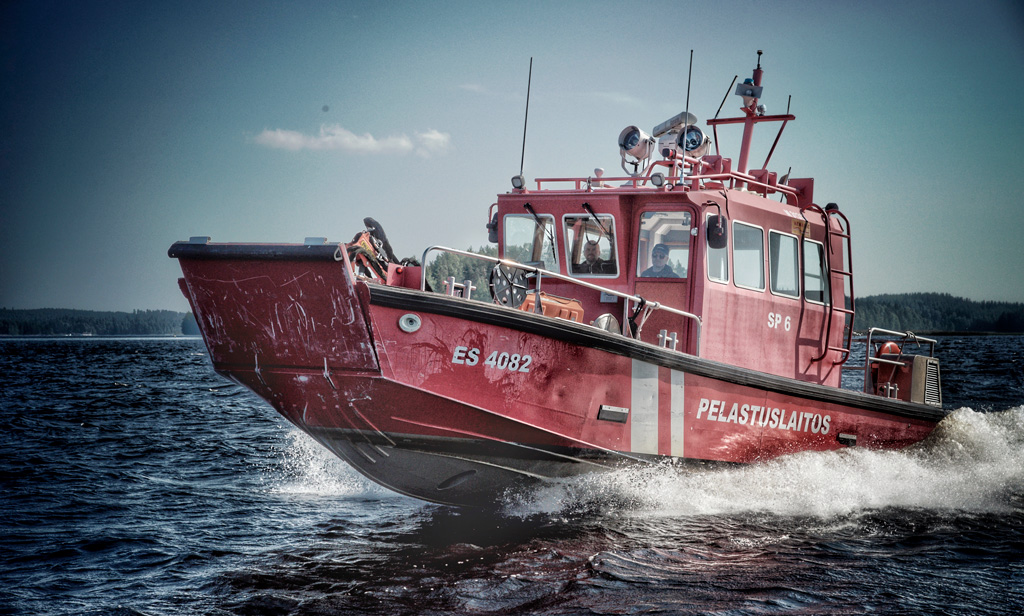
(457,401)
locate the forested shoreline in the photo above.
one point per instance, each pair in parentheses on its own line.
(917,312)
(938,312)
(69,322)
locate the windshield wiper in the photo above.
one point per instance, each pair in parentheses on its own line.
(543,227)
(590,211)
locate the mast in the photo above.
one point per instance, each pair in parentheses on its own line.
(750,98)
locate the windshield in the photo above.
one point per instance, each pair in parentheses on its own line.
(591,245)
(528,241)
(663,249)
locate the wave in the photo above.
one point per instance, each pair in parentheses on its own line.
(972,462)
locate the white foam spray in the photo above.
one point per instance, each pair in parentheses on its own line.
(971,462)
(309,468)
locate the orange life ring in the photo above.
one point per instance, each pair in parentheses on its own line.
(889,348)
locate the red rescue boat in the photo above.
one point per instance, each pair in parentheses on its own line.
(692,311)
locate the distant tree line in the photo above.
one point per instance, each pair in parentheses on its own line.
(937,312)
(463,268)
(60,321)
(917,312)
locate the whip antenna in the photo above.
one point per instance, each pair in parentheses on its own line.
(734,78)
(686,121)
(688,77)
(529,79)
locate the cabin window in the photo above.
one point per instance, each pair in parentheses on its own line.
(784,264)
(531,242)
(815,280)
(664,247)
(591,245)
(718,260)
(748,256)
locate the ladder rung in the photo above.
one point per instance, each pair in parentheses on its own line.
(846,310)
(841,272)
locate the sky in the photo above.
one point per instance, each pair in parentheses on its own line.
(125,126)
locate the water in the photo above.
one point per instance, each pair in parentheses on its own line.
(136,481)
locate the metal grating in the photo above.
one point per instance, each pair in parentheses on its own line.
(932,389)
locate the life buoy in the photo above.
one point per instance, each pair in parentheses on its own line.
(889,348)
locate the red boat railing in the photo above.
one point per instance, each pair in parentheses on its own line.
(875,349)
(640,304)
(670,182)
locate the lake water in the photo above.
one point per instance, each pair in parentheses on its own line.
(134,480)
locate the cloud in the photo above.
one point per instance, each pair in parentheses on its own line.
(432,142)
(336,137)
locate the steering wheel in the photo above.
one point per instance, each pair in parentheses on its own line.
(508,285)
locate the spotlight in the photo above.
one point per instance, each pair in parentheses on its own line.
(693,141)
(518,181)
(658,179)
(636,143)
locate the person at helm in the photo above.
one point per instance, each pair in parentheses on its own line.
(661,268)
(592,262)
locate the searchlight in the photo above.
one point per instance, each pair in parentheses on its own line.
(638,145)
(693,142)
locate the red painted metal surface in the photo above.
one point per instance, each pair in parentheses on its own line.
(493,382)
(278,313)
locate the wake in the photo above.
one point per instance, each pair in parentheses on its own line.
(972,462)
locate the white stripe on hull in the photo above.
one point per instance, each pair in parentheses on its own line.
(677,414)
(643,413)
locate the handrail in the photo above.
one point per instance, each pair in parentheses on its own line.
(831,308)
(906,336)
(593,184)
(540,273)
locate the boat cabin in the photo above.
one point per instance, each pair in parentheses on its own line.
(759,274)
(755,270)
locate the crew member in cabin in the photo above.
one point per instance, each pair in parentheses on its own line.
(592,262)
(661,268)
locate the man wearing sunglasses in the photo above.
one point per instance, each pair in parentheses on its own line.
(661,268)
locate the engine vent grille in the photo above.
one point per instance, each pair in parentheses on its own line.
(932,387)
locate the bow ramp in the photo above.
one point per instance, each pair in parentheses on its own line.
(264,307)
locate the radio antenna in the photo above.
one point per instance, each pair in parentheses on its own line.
(688,76)
(686,118)
(734,78)
(529,80)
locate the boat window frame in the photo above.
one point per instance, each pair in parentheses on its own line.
(798,269)
(569,243)
(707,254)
(554,234)
(764,277)
(681,213)
(825,276)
